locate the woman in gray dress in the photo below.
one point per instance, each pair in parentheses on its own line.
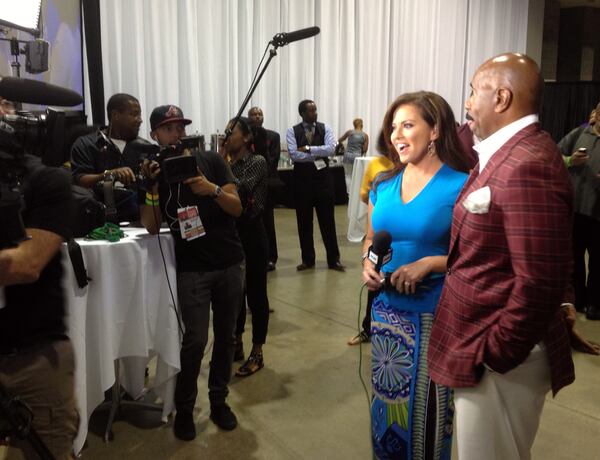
(357,146)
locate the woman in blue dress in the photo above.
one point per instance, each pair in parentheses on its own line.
(412,416)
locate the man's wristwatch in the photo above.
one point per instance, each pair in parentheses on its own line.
(217,192)
(308,149)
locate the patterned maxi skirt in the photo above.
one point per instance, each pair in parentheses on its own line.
(411,416)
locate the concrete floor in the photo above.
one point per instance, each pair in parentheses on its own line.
(308,402)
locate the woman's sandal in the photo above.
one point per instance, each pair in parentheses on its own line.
(361,337)
(253,364)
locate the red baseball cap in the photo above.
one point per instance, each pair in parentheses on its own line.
(164,114)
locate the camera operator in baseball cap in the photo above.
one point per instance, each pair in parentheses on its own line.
(200,212)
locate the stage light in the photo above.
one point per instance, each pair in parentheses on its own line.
(22,15)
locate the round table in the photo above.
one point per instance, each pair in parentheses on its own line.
(357,210)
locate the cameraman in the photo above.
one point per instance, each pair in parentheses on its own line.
(210,267)
(36,357)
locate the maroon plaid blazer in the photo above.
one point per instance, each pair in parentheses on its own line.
(508,269)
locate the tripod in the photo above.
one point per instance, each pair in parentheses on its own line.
(19,418)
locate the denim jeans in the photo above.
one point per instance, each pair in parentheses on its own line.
(197,291)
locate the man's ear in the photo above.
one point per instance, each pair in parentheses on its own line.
(502,99)
(153,136)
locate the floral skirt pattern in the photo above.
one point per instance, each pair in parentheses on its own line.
(411,416)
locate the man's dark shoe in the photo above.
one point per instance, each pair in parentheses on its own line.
(270,266)
(304,266)
(592,313)
(223,417)
(338,267)
(184,427)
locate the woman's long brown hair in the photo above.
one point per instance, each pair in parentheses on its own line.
(438,114)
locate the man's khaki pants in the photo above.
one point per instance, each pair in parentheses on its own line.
(499,418)
(43,377)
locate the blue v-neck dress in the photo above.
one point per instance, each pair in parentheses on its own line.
(411,415)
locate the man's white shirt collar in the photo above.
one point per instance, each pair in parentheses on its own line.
(119,143)
(487,147)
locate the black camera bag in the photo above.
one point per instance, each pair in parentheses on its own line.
(89,212)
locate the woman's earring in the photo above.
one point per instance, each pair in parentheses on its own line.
(431,149)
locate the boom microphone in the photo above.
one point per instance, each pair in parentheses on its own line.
(286,38)
(380,251)
(37,92)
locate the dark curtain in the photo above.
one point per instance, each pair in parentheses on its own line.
(91,26)
(567,105)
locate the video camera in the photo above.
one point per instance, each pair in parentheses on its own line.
(12,230)
(19,135)
(39,135)
(25,133)
(175,164)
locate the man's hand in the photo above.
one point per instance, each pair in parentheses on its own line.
(150,169)
(578,342)
(578,158)
(124,175)
(200,185)
(24,263)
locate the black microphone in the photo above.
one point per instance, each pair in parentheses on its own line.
(37,92)
(286,38)
(380,251)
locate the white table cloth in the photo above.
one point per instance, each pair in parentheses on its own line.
(125,311)
(357,210)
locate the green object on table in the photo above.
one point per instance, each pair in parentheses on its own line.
(108,231)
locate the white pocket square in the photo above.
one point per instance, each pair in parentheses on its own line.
(478,202)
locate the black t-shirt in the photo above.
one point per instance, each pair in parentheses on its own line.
(35,311)
(220,247)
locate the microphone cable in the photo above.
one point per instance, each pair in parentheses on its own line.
(360,345)
(164,260)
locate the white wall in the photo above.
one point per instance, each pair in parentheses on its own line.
(368,53)
(201,54)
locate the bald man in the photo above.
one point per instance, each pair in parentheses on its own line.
(499,338)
